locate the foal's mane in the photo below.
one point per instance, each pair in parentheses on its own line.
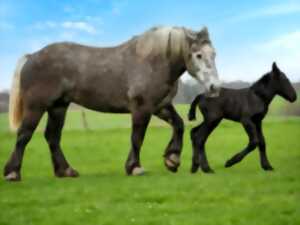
(262,88)
(261,82)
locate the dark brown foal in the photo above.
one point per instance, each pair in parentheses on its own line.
(248,106)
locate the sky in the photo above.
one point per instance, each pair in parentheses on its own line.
(247,35)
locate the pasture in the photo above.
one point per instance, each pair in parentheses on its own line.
(103,194)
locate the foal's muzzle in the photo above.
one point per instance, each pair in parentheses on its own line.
(293,98)
(213,89)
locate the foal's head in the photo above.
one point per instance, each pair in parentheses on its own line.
(282,85)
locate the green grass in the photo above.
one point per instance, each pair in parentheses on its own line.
(103,194)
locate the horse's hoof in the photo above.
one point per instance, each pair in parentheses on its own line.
(13,176)
(138,171)
(69,172)
(172,162)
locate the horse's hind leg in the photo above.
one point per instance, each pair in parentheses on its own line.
(173,150)
(56,119)
(199,136)
(29,122)
(250,128)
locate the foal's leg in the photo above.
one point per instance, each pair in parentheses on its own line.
(30,121)
(250,128)
(264,162)
(199,136)
(56,119)
(140,121)
(173,150)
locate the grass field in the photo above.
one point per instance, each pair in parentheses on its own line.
(103,194)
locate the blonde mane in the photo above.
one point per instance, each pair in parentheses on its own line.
(160,41)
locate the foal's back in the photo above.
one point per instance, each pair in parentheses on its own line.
(233,104)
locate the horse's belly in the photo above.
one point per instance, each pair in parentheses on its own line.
(105,108)
(104,100)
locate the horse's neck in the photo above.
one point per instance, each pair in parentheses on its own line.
(175,55)
(177,68)
(264,91)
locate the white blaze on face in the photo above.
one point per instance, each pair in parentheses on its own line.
(205,68)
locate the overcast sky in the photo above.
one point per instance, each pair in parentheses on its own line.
(248,35)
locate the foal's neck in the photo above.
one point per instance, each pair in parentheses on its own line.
(264,91)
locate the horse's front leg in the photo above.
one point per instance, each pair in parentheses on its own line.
(140,121)
(173,150)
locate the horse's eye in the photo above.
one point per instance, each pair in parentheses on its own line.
(199,56)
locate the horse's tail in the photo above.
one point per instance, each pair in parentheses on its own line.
(15,100)
(192,112)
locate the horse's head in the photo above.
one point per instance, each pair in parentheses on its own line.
(283,86)
(199,55)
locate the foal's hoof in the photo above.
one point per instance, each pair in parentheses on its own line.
(138,171)
(207,170)
(268,168)
(69,172)
(194,168)
(229,163)
(172,162)
(13,176)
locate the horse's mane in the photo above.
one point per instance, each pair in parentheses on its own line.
(159,40)
(164,40)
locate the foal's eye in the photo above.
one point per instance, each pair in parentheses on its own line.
(199,56)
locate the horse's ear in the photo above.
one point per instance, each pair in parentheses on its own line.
(203,32)
(275,68)
(204,29)
(191,35)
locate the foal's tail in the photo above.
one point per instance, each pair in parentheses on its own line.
(15,100)
(192,112)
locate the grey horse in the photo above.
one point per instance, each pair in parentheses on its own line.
(138,77)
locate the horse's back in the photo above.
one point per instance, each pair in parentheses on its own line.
(76,73)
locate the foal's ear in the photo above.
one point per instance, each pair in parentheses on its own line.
(275,68)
